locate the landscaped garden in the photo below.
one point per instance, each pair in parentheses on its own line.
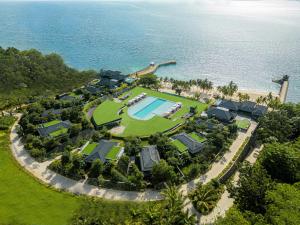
(109,111)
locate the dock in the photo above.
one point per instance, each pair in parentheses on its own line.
(152,68)
(284,86)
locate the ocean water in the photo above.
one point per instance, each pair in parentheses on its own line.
(249,42)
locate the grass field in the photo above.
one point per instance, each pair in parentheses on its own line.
(112,154)
(51,123)
(243,124)
(197,137)
(107,112)
(180,146)
(89,148)
(23,200)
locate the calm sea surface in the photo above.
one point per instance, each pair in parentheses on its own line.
(247,42)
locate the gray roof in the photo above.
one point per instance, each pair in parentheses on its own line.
(220,113)
(101,151)
(247,106)
(149,157)
(192,145)
(93,89)
(52,111)
(229,104)
(260,110)
(46,131)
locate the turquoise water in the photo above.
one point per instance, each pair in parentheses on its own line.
(249,42)
(150,107)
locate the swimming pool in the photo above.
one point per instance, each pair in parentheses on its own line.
(149,107)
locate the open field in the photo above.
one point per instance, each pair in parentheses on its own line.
(26,201)
(243,124)
(133,127)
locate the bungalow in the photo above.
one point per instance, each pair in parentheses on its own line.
(66,97)
(221,114)
(51,111)
(247,106)
(105,150)
(210,124)
(111,79)
(92,89)
(54,128)
(229,104)
(149,156)
(259,111)
(192,145)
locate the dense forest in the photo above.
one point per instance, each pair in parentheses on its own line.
(25,74)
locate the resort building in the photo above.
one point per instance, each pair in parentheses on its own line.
(229,104)
(149,156)
(54,128)
(52,111)
(105,150)
(259,111)
(111,79)
(192,145)
(66,97)
(222,114)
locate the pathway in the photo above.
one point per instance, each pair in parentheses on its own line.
(57,181)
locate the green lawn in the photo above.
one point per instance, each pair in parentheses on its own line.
(243,124)
(197,137)
(107,112)
(112,154)
(59,132)
(23,200)
(89,148)
(51,123)
(180,146)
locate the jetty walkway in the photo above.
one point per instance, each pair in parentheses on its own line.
(283,91)
(152,68)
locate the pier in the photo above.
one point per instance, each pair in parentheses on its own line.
(284,82)
(152,68)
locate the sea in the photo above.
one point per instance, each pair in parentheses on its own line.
(248,42)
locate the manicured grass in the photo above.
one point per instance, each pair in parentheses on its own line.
(23,200)
(112,154)
(26,201)
(51,123)
(89,148)
(243,124)
(106,112)
(197,137)
(59,132)
(180,146)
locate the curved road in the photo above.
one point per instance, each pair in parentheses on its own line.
(57,181)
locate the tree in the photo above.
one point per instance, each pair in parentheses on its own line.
(163,172)
(243,97)
(148,81)
(251,188)
(232,88)
(205,198)
(282,162)
(232,216)
(133,146)
(96,169)
(283,205)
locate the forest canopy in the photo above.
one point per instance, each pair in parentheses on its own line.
(24,74)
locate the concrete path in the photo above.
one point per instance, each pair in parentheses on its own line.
(57,181)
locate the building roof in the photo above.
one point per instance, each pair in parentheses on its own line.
(45,131)
(110,74)
(209,124)
(92,89)
(149,157)
(101,150)
(229,104)
(247,106)
(260,110)
(192,145)
(52,111)
(221,114)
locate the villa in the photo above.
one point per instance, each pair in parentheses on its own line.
(54,128)
(192,145)
(105,150)
(149,157)
(222,114)
(111,79)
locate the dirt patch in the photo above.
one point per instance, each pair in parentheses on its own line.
(117,130)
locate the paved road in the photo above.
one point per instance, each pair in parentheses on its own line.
(49,177)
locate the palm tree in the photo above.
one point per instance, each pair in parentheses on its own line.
(232,88)
(259,100)
(204,198)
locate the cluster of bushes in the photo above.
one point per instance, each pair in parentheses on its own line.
(5,122)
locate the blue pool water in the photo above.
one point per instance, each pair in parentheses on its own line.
(149,107)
